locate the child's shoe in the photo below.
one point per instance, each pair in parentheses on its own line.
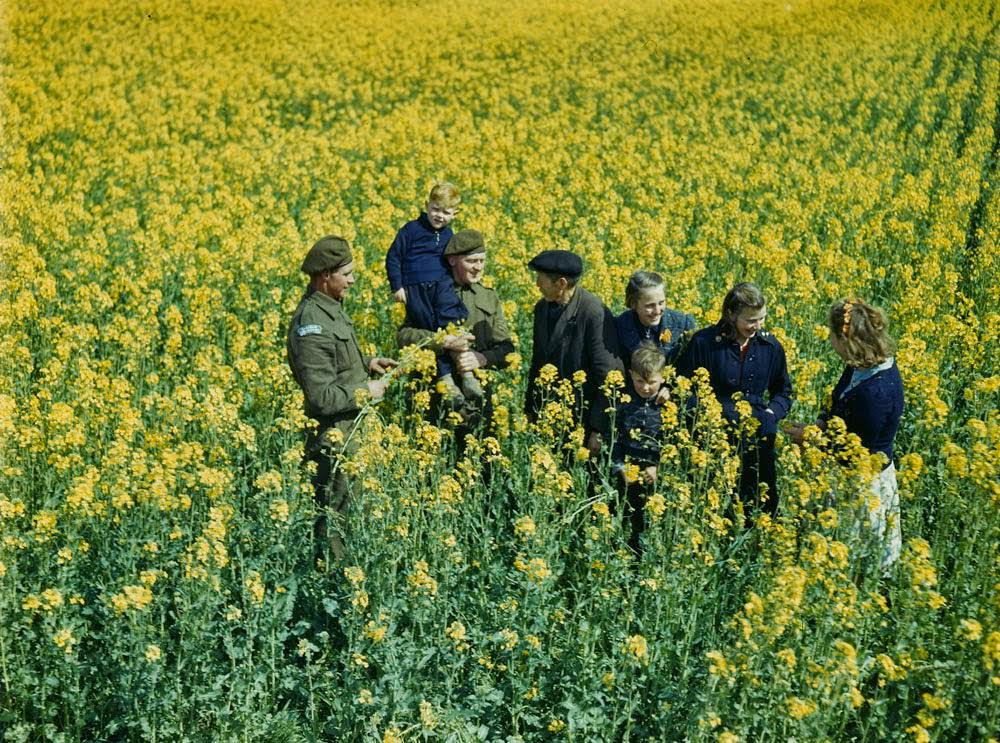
(470,386)
(447,387)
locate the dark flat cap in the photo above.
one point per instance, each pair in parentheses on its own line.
(465,241)
(558,263)
(328,254)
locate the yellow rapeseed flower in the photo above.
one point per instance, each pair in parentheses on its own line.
(64,639)
(637,647)
(799,708)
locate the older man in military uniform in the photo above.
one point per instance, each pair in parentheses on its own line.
(488,343)
(327,363)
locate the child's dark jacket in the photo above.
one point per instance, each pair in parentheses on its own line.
(639,425)
(415,255)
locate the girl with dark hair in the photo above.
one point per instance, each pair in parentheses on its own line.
(741,357)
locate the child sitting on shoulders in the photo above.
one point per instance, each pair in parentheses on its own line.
(419,277)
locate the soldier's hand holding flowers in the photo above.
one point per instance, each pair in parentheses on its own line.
(457,342)
(381,364)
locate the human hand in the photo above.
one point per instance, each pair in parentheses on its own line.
(400,294)
(376,389)
(594,443)
(380,365)
(649,474)
(794,430)
(457,342)
(663,395)
(469,361)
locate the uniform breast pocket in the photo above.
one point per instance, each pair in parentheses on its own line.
(344,348)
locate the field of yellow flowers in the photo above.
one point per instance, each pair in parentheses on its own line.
(166,164)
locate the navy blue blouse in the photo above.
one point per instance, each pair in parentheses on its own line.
(761,376)
(872,409)
(631,333)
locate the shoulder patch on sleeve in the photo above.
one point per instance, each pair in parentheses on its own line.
(303,330)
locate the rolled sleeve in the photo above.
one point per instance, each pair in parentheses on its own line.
(501,346)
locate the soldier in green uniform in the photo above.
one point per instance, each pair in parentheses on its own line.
(488,342)
(327,364)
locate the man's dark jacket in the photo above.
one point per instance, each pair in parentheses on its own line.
(582,339)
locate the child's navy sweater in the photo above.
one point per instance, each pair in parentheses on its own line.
(415,255)
(645,418)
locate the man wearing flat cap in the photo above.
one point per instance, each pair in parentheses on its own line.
(488,343)
(326,361)
(573,331)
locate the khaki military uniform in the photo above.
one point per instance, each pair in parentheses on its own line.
(326,361)
(486,322)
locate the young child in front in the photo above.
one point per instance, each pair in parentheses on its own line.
(639,426)
(419,277)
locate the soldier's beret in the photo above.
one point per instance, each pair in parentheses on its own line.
(464,242)
(558,263)
(328,254)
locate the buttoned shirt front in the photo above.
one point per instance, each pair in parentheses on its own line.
(760,374)
(327,363)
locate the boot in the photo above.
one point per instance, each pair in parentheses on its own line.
(470,386)
(447,387)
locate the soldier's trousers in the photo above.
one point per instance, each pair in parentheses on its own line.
(333,489)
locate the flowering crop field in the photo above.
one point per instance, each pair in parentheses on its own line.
(165,166)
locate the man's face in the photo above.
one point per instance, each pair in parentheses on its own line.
(439,216)
(467,269)
(336,283)
(550,288)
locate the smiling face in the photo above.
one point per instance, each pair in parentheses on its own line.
(748,322)
(649,306)
(335,284)
(439,216)
(467,269)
